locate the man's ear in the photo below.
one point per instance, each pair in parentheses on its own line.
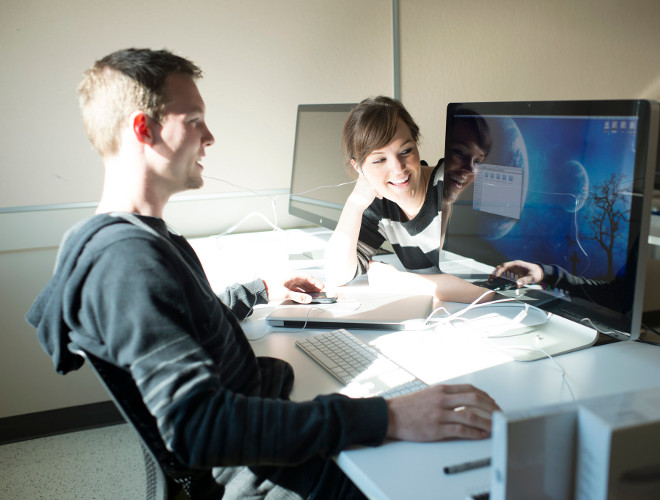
(141,126)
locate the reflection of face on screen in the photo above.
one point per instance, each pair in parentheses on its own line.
(468,148)
(556,190)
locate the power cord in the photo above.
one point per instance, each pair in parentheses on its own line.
(487,339)
(475,304)
(273,200)
(551,358)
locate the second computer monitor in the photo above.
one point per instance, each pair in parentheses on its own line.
(567,184)
(319,182)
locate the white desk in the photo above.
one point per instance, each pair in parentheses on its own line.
(400,470)
(397,469)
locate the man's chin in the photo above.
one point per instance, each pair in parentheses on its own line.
(194,184)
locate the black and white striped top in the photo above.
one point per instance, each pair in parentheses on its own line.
(416,242)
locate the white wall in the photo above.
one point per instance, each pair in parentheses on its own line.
(262,59)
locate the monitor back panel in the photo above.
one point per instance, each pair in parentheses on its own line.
(319,182)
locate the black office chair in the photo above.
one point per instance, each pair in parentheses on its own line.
(167,478)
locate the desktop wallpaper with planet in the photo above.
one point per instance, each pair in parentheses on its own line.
(576,195)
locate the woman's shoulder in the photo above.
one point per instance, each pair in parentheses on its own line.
(434,175)
(438,171)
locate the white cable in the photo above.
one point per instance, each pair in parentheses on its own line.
(607,332)
(473,305)
(428,318)
(237,186)
(319,187)
(549,356)
(268,332)
(309,311)
(273,200)
(248,216)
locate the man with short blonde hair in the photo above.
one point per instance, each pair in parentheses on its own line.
(132,292)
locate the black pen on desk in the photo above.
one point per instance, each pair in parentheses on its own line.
(465,466)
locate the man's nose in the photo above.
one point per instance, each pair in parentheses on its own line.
(208,138)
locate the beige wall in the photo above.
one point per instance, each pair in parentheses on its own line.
(480,50)
(262,59)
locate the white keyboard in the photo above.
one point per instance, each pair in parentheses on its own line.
(362,369)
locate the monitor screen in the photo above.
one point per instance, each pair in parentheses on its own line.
(319,183)
(567,185)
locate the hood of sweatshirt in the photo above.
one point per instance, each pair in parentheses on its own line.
(47,311)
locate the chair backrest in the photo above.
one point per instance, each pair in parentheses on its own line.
(170,475)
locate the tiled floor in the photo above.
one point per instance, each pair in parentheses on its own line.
(104,463)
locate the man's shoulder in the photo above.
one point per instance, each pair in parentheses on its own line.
(104,232)
(103,227)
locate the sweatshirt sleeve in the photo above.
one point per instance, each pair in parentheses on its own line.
(611,294)
(197,372)
(241,298)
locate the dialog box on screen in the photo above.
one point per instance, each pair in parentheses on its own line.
(498,190)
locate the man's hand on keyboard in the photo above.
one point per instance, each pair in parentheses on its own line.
(441,412)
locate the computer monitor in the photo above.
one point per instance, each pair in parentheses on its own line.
(319,183)
(569,184)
